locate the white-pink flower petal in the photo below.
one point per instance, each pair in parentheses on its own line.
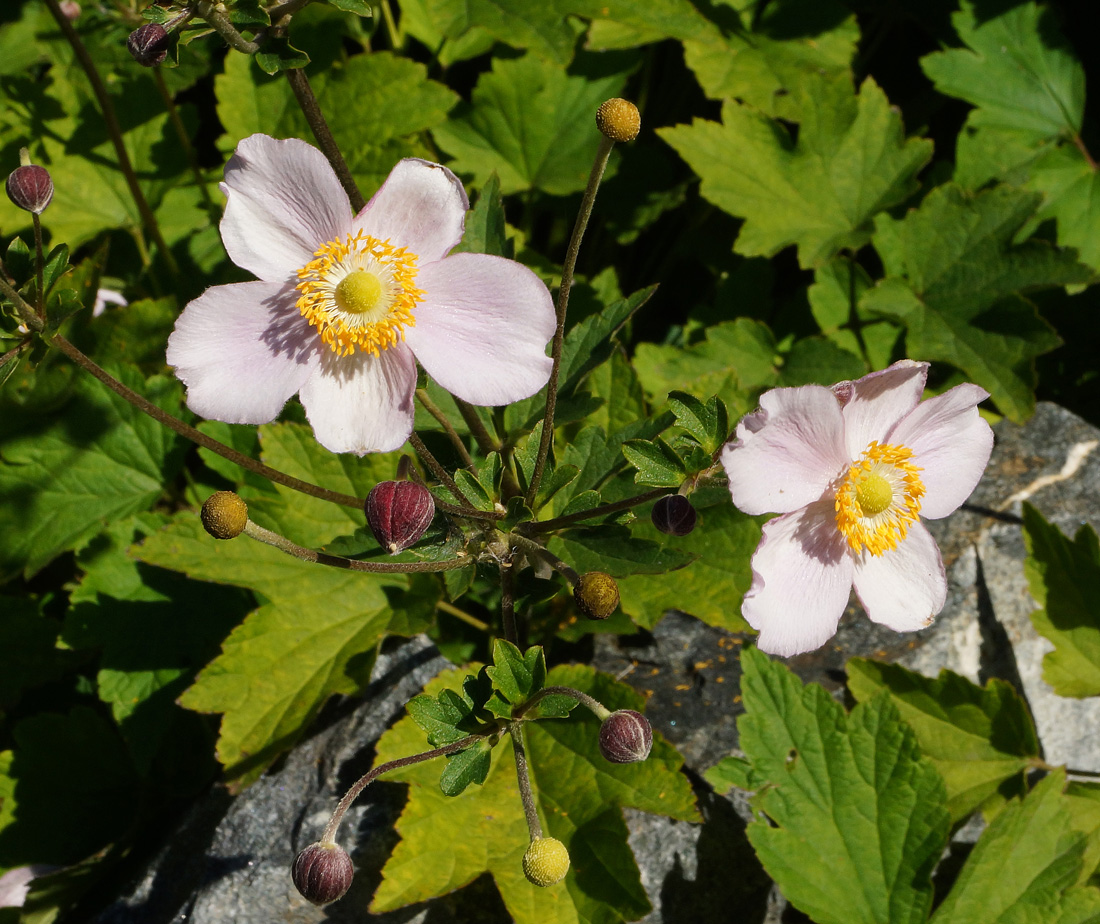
(951,443)
(873,404)
(421,206)
(482,329)
(788,460)
(905,587)
(242,350)
(802,576)
(284,203)
(362,403)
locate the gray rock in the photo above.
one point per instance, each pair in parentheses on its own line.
(229,860)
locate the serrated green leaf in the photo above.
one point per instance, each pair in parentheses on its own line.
(731,772)
(821,192)
(1022,865)
(978,738)
(517,675)
(835,302)
(1064,578)
(358,7)
(62,478)
(277,54)
(466,767)
(772,53)
(712,585)
(852,788)
(438,718)
(485,230)
(819,361)
(955,280)
(531,123)
(315,635)
(736,361)
(472,488)
(657,463)
(616,551)
(448,842)
(693,416)
(1084,811)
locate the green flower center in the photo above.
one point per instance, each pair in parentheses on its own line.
(874,495)
(358,292)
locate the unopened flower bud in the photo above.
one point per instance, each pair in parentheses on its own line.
(30,188)
(619,120)
(398,513)
(673,514)
(71,9)
(546,861)
(596,594)
(625,737)
(148,44)
(322,873)
(224,515)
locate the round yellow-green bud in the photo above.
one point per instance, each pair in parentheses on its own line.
(546,861)
(224,515)
(596,594)
(619,120)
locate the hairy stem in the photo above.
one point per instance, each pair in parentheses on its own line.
(598,709)
(440,472)
(196,436)
(545,526)
(220,23)
(587,201)
(110,120)
(39,265)
(434,409)
(27,314)
(533,548)
(350,564)
(303,92)
(523,777)
(328,839)
(508,603)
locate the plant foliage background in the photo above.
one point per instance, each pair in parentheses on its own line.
(820,188)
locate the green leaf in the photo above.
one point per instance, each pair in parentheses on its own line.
(835,300)
(1029,92)
(277,54)
(1064,578)
(27,654)
(731,772)
(614,550)
(468,766)
(448,842)
(486,230)
(315,635)
(1022,865)
(475,493)
(735,362)
(850,788)
(515,675)
(851,160)
(708,423)
(771,54)
(818,361)
(712,585)
(955,278)
(74,788)
(981,739)
(531,123)
(63,477)
(358,7)
(657,464)
(1084,805)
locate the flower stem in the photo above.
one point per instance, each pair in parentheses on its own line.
(587,201)
(197,436)
(523,777)
(508,603)
(391,26)
(303,92)
(598,709)
(110,120)
(545,526)
(440,472)
(280,11)
(39,262)
(12,353)
(338,561)
(328,839)
(220,23)
(437,412)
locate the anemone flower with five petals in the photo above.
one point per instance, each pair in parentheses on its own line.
(344,305)
(852,469)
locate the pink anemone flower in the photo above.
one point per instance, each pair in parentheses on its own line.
(852,469)
(346,304)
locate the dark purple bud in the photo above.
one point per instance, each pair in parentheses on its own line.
(148,44)
(673,514)
(30,188)
(322,873)
(398,513)
(625,737)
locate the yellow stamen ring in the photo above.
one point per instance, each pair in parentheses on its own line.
(359,294)
(879,498)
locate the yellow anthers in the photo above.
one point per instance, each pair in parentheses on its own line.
(619,120)
(879,498)
(546,861)
(359,294)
